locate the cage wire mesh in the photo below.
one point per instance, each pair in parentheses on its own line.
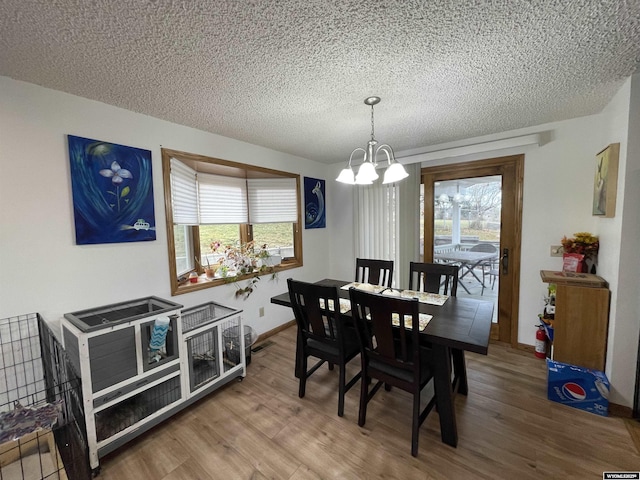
(42,427)
(21,373)
(122,415)
(203,354)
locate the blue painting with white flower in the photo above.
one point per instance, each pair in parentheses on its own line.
(112,190)
(314,212)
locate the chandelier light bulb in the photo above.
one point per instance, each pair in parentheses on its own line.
(346,176)
(366,174)
(394,173)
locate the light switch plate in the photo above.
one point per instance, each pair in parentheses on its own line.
(556,250)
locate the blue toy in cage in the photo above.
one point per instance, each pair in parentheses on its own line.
(158,338)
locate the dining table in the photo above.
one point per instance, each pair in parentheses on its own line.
(458,325)
(468,261)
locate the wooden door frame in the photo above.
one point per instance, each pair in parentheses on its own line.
(512,170)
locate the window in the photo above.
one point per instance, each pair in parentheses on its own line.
(183,249)
(209,201)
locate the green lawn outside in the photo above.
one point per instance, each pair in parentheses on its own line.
(272,234)
(443,227)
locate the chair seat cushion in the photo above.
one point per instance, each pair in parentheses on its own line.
(404,375)
(351,345)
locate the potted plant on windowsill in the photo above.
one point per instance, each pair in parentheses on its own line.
(241,261)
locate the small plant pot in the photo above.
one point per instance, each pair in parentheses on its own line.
(210,272)
(273,260)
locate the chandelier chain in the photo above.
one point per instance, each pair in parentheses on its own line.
(372,123)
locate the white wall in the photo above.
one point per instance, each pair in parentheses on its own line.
(624,330)
(41,268)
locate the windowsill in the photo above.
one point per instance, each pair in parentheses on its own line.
(204,282)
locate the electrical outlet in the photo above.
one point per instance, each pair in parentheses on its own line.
(261,312)
(556,250)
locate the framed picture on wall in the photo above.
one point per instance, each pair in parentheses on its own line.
(314,212)
(112,190)
(605,184)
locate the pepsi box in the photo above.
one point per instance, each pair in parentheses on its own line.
(578,387)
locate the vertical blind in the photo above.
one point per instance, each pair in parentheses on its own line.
(203,199)
(387,221)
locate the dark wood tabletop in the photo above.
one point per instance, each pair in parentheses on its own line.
(461,323)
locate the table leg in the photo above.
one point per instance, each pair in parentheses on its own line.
(470,270)
(460,371)
(461,284)
(444,394)
(461,276)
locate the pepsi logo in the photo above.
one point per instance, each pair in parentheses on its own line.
(574,391)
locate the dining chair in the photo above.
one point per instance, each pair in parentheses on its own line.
(322,334)
(488,265)
(434,278)
(493,273)
(391,352)
(376,272)
(441,278)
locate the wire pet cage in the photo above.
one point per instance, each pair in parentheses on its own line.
(42,431)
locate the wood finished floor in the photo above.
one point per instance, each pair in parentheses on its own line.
(259,428)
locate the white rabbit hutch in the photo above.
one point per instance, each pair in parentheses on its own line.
(143,360)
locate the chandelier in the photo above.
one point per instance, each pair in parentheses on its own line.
(367,171)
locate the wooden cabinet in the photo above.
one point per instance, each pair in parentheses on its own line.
(581,318)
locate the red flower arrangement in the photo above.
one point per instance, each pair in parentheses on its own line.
(577,250)
(583,243)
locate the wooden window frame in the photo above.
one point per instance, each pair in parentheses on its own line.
(181,286)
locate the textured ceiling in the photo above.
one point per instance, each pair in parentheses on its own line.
(292,74)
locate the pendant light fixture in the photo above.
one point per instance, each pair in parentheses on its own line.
(367,171)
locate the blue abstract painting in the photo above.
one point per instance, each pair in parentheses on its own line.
(314,212)
(112,190)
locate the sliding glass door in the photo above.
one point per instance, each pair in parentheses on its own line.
(471,217)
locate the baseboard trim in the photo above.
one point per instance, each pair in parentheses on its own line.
(526,348)
(273,331)
(616,410)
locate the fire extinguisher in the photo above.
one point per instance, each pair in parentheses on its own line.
(541,342)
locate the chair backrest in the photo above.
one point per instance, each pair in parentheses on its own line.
(484,247)
(432,277)
(393,351)
(317,311)
(376,272)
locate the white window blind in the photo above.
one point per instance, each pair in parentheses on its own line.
(184,194)
(272,200)
(222,199)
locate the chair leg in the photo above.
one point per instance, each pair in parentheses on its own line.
(415,424)
(303,375)
(341,389)
(364,396)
